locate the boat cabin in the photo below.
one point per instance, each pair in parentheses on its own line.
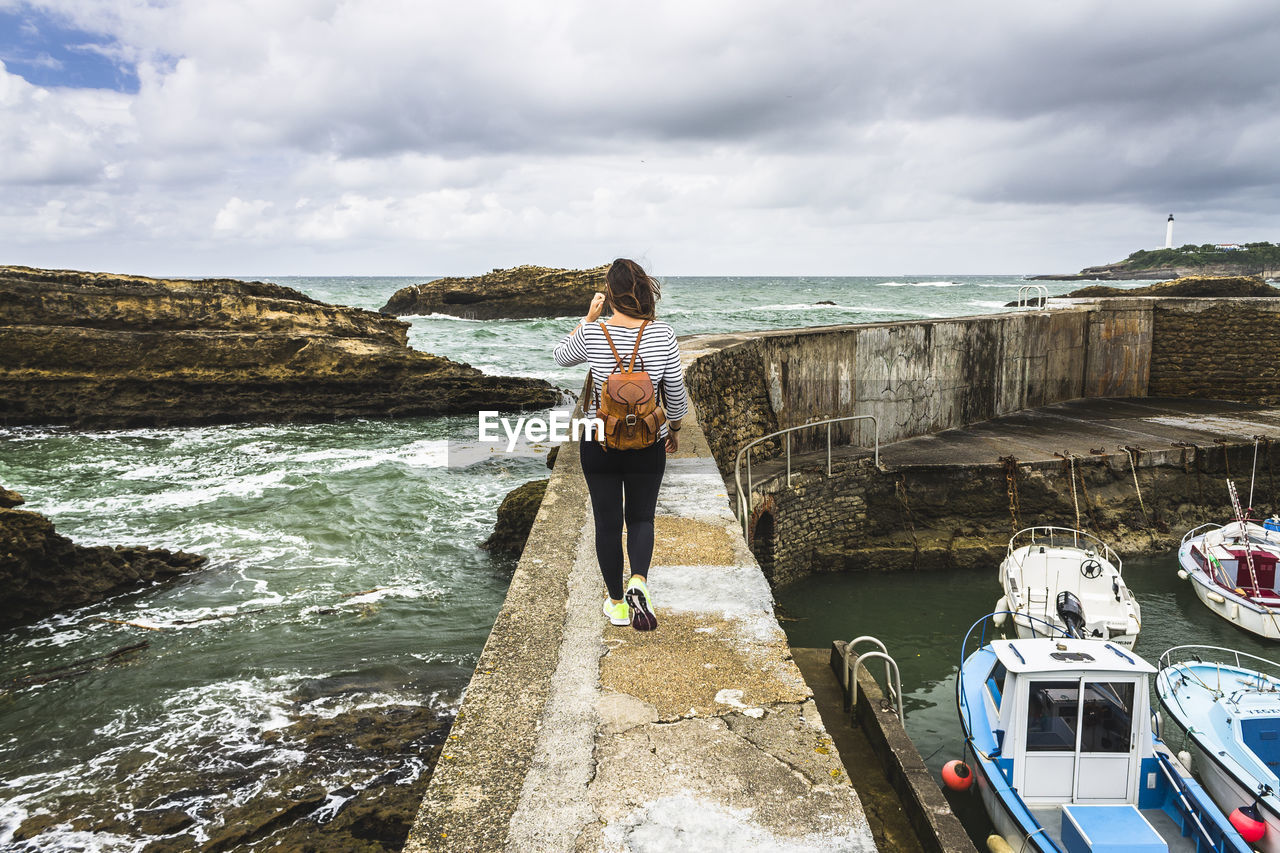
(1074,720)
(1221,554)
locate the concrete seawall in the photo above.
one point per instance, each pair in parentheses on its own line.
(923,377)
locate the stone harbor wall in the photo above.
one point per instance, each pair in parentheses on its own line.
(1226,349)
(922,378)
(943,517)
(577,736)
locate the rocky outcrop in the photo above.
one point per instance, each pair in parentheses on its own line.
(115,350)
(1126,271)
(515,519)
(519,292)
(1195,285)
(42,571)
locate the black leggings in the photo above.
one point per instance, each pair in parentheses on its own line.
(610,475)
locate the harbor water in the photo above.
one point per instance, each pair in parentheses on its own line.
(345,574)
(922,618)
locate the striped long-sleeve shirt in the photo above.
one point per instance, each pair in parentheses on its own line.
(659,356)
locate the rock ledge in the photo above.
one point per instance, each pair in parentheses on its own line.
(115,350)
(516,293)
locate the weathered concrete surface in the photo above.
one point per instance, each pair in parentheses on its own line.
(1089,428)
(921,378)
(890,823)
(577,736)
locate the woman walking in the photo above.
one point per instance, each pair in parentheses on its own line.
(624,483)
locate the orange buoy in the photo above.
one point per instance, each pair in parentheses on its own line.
(957,776)
(1248,823)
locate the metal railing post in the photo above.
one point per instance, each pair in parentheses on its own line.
(828,448)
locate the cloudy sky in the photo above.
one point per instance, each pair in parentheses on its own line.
(854,137)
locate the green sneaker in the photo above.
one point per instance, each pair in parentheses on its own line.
(619,614)
(642,616)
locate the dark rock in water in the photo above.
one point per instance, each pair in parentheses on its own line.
(42,571)
(1189,286)
(373,679)
(515,518)
(9,498)
(552,455)
(824,302)
(519,292)
(1194,285)
(114,350)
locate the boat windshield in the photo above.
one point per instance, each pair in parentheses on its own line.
(1107,717)
(1051,716)
(1104,718)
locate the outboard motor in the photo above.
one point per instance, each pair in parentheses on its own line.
(1071,612)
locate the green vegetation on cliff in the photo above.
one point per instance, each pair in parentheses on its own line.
(1251,255)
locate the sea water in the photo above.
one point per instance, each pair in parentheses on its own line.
(344,569)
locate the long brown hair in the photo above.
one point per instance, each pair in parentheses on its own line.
(631,291)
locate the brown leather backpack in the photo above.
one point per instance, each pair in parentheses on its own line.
(628,402)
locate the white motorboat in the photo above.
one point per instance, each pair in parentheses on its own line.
(1064,577)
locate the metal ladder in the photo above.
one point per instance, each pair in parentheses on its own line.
(854,660)
(1033,293)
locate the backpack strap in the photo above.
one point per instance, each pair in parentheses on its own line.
(616,357)
(636,349)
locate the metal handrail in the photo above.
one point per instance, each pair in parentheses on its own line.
(1166,659)
(743,504)
(850,648)
(1191,809)
(1192,532)
(1076,535)
(892,677)
(1028,293)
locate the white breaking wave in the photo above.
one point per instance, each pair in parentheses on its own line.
(920,284)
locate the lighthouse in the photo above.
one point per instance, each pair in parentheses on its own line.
(1168,233)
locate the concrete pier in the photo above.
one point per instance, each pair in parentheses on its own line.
(578,736)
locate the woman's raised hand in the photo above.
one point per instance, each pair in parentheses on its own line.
(597,306)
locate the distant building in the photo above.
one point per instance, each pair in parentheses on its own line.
(1228,247)
(1168,233)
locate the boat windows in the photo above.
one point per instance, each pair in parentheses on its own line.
(1107,716)
(995,683)
(1052,711)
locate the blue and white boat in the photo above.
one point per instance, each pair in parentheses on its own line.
(1063,754)
(1226,704)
